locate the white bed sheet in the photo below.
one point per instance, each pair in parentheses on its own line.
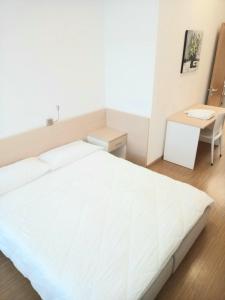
(100,228)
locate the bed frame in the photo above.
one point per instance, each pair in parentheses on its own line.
(174,262)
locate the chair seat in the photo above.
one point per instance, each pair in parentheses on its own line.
(206,133)
(214,134)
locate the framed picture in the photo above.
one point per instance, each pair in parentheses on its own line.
(191,52)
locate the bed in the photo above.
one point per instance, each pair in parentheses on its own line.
(99,227)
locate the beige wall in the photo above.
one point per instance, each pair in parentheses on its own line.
(175,91)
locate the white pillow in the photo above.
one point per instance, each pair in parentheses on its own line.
(18,174)
(61,156)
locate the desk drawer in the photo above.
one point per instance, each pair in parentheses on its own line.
(117,143)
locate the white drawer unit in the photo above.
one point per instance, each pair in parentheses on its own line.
(110,139)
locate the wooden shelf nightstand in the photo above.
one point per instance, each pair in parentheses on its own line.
(111,140)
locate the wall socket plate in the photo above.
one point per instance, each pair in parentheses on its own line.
(49,122)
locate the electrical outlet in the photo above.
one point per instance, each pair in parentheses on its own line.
(49,122)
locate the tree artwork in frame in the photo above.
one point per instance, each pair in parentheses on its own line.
(192,50)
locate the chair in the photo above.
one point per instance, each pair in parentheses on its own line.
(215,133)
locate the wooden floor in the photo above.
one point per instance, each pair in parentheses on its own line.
(201,276)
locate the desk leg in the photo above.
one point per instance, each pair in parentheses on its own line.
(181,144)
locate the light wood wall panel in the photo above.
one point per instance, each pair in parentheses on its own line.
(137,128)
(37,141)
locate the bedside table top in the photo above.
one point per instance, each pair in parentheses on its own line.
(107,134)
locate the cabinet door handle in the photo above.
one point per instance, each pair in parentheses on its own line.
(212,90)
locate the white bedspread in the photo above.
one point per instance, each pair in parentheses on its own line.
(98,229)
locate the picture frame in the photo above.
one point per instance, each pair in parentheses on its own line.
(192,50)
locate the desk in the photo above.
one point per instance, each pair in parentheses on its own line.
(182,136)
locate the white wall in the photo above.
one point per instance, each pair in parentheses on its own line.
(130,43)
(175,91)
(51,52)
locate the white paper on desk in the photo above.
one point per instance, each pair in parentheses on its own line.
(204,114)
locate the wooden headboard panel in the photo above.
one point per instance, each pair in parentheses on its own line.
(37,141)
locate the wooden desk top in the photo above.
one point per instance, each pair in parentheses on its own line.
(182,118)
(107,134)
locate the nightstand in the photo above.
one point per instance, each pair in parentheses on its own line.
(111,140)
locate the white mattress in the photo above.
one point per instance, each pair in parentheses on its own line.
(100,228)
